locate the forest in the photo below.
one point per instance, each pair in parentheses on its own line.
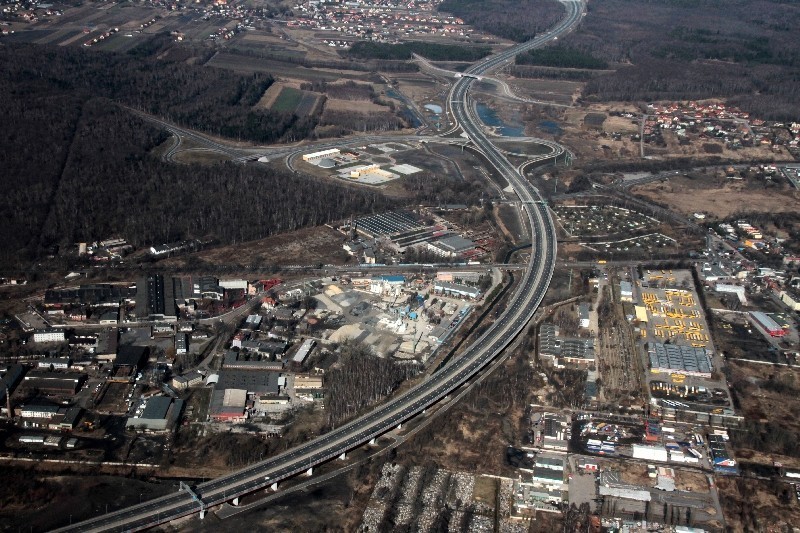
(206,99)
(431,51)
(517,20)
(81,171)
(679,50)
(560,56)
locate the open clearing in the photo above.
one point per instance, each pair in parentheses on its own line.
(353,106)
(303,247)
(687,197)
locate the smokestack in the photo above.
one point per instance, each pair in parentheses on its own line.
(8,404)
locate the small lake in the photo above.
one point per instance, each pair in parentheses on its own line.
(437,109)
(489,117)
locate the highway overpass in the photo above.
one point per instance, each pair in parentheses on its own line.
(387,416)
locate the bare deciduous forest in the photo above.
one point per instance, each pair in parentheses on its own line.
(79,168)
(680,49)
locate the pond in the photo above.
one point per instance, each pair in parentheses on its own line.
(489,117)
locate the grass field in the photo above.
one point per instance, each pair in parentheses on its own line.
(288,99)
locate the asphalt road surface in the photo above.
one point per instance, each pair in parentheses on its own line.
(523,304)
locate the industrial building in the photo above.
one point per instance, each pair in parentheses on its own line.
(91,294)
(673,358)
(134,357)
(386,224)
(767,324)
(565,350)
(9,378)
(54,363)
(583,315)
(317,156)
(738,290)
(451,246)
(625,291)
(254,360)
(155,299)
(304,351)
(160,413)
(454,289)
(58,383)
(650,453)
(228,405)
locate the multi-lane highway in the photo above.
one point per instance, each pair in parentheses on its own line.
(520,309)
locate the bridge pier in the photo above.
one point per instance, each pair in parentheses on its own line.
(235,502)
(343,456)
(399,426)
(202,514)
(274,486)
(372,442)
(310,471)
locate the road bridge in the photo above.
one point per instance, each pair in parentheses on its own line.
(521,307)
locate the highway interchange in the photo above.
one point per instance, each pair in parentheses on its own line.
(524,302)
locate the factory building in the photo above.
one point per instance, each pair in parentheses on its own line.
(160,413)
(316,156)
(766,323)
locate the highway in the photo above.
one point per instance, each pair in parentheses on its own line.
(521,307)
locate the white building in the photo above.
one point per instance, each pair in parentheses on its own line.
(316,156)
(49,335)
(626,291)
(233,284)
(734,289)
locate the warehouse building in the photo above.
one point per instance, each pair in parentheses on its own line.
(565,350)
(455,289)
(155,299)
(304,351)
(56,383)
(767,324)
(625,291)
(673,358)
(317,156)
(54,363)
(160,413)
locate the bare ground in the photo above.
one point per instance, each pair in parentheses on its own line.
(721,200)
(308,246)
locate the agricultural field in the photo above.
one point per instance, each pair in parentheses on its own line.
(285,97)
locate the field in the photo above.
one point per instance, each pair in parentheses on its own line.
(353,106)
(241,63)
(303,247)
(720,199)
(287,100)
